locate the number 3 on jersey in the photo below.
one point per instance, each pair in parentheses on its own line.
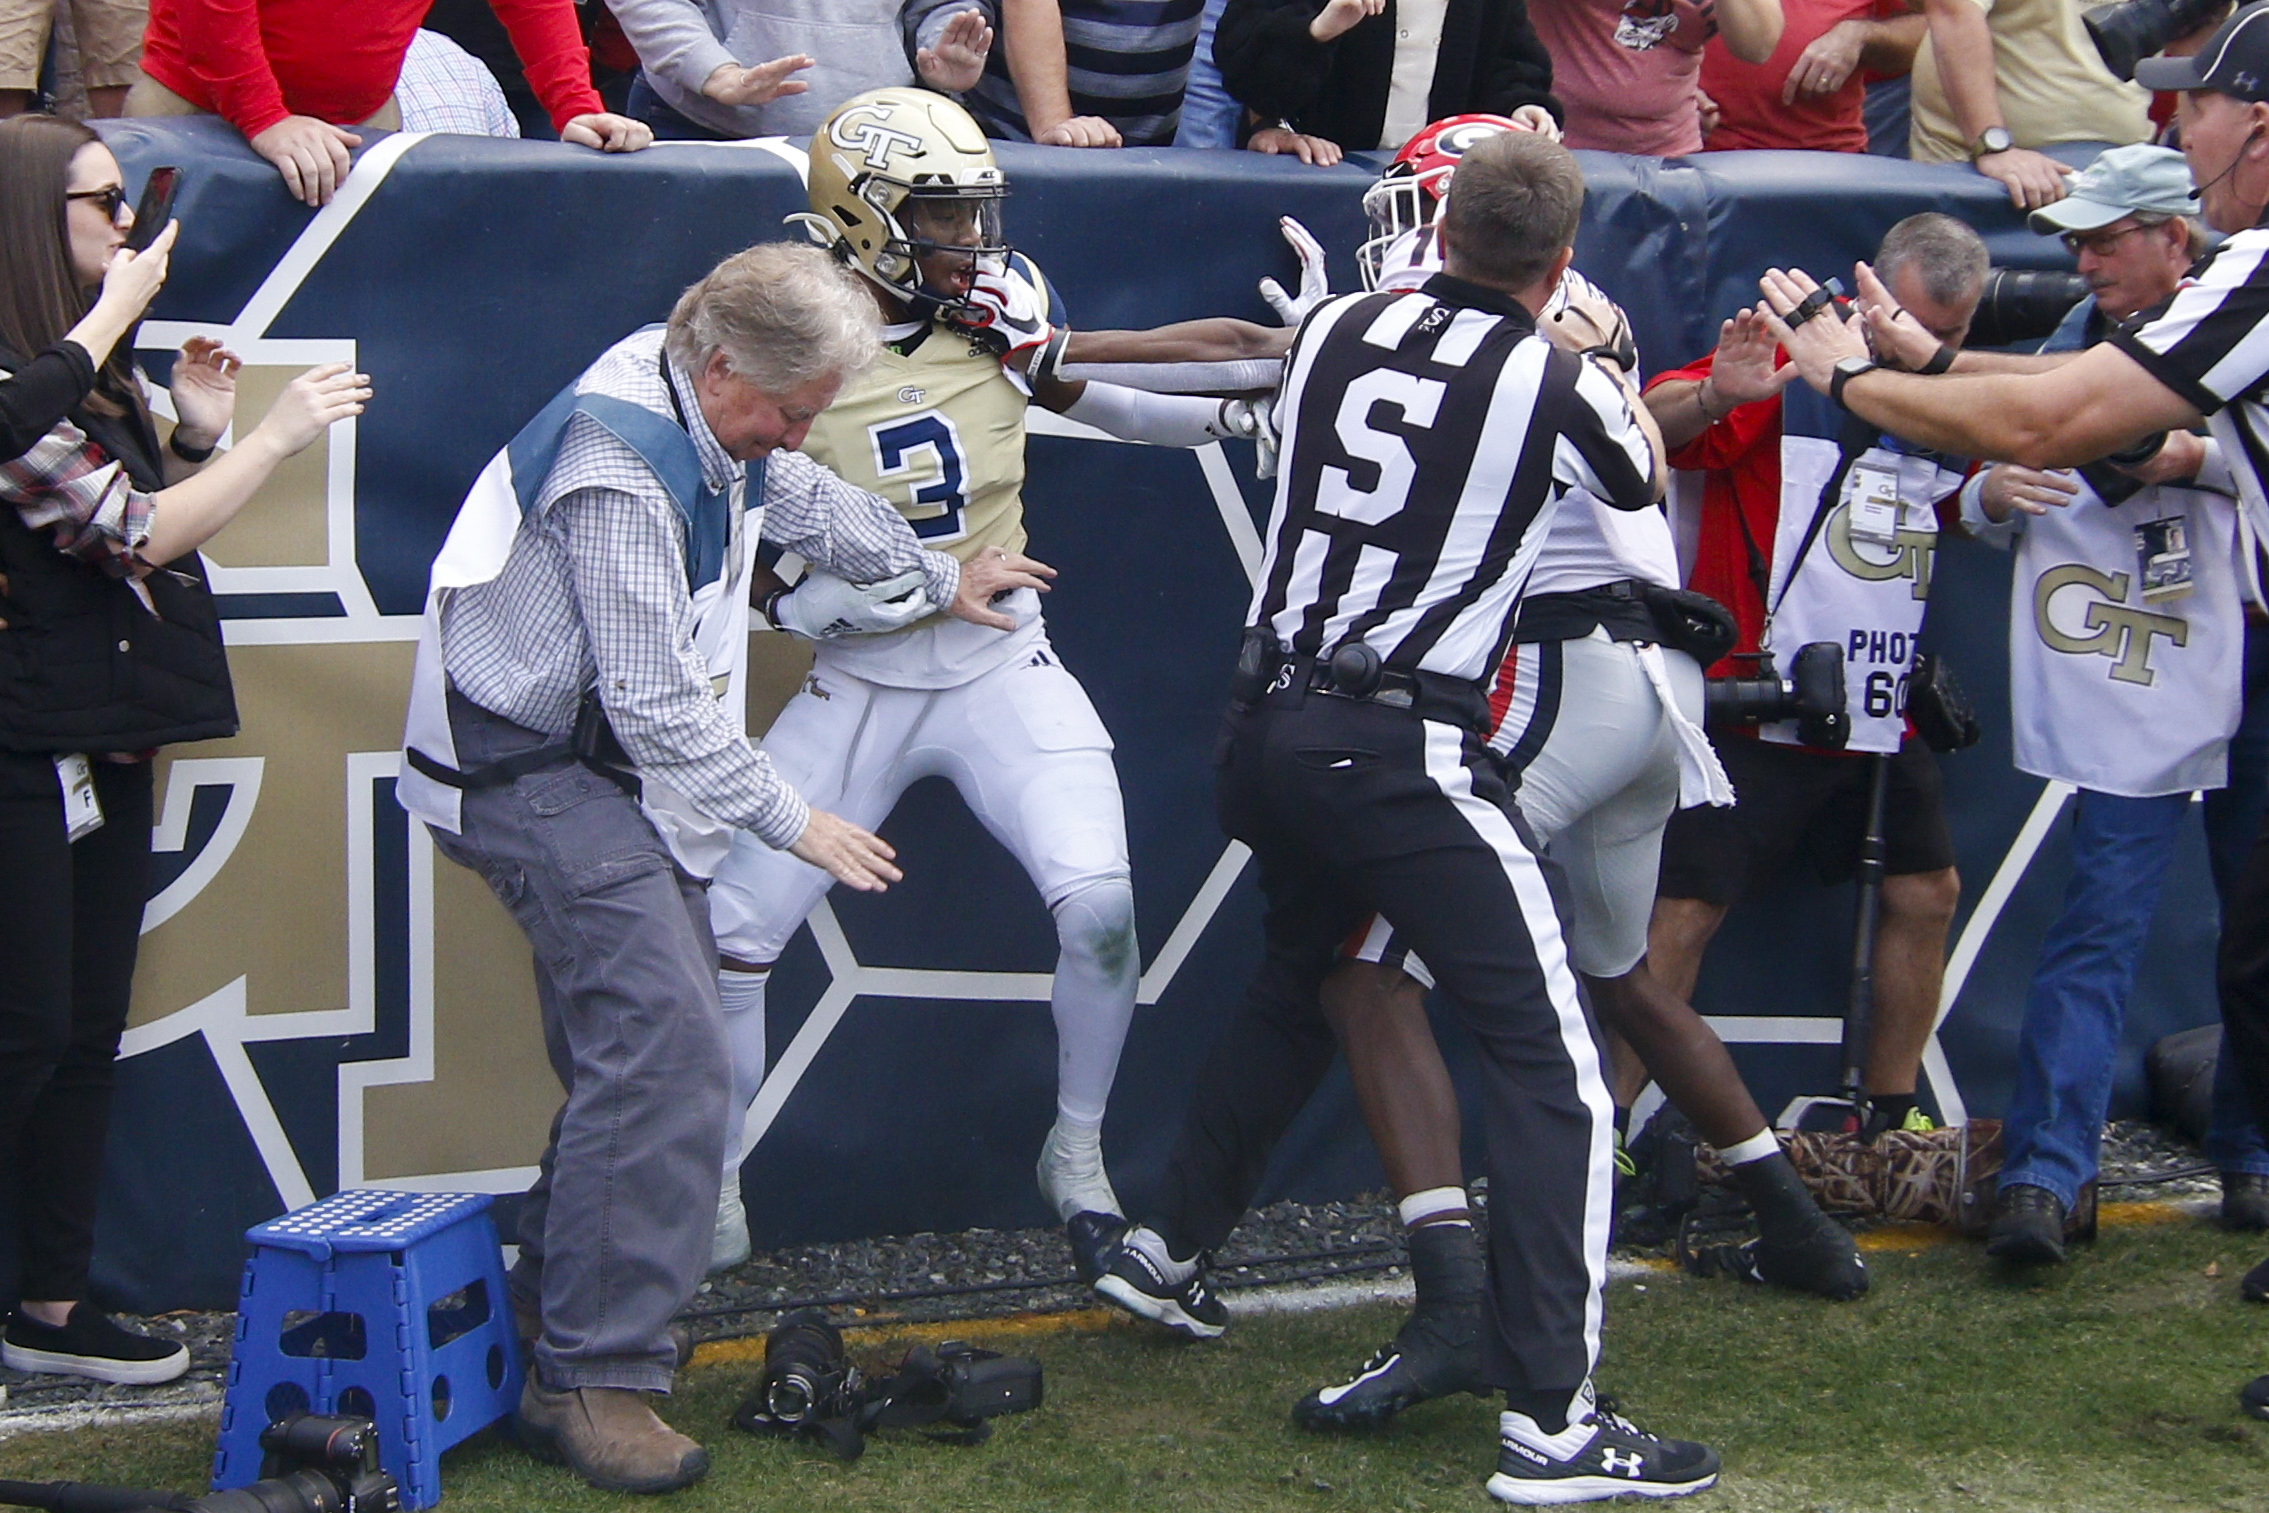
(923,447)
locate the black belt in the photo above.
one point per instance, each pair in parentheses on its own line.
(1266,670)
(592,742)
(1620,606)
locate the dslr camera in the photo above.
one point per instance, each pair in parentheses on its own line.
(1812,695)
(314,1463)
(2128,31)
(812,1390)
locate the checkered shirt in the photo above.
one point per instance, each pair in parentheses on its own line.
(70,487)
(594,593)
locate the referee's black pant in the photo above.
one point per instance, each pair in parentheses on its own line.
(2243,971)
(1353,807)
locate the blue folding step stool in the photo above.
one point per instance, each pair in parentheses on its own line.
(385,1305)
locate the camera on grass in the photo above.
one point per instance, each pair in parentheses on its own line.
(1812,695)
(314,1463)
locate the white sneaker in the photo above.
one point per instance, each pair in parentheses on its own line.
(728,1247)
(1071,1174)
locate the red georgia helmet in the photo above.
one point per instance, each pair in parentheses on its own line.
(1410,192)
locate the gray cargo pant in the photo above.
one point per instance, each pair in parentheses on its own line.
(616,1231)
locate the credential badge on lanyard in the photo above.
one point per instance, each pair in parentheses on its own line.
(82,811)
(2162,547)
(1874,509)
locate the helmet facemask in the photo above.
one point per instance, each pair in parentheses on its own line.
(1396,205)
(935,239)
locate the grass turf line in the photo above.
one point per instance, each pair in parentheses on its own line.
(2106,1385)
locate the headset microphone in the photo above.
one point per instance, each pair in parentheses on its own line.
(2239,157)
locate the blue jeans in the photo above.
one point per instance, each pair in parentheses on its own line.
(1209,116)
(2069,1043)
(667,124)
(2233,819)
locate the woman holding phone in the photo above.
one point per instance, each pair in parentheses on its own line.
(110,647)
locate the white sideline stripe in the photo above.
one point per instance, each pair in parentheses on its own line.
(206,1407)
(1445,765)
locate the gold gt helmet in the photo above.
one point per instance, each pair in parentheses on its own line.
(899,175)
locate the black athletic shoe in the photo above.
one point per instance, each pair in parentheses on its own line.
(1131,1282)
(1416,1366)
(2027,1227)
(2253,1397)
(2255,1287)
(1093,1237)
(90,1344)
(1616,1459)
(1826,1264)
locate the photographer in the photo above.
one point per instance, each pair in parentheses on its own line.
(2204,357)
(1809,540)
(110,647)
(2125,646)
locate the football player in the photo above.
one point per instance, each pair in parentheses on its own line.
(1598,727)
(904,189)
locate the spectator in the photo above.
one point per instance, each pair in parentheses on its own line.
(445,88)
(1810,93)
(99,527)
(718,70)
(109,38)
(1763,489)
(1629,70)
(1088,73)
(292,75)
(1360,74)
(2136,730)
(2002,79)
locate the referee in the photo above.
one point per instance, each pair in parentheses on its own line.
(2206,355)
(1428,437)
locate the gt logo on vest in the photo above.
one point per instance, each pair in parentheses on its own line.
(2116,631)
(1912,553)
(864,128)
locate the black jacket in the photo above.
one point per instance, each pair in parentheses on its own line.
(83,665)
(1489,60)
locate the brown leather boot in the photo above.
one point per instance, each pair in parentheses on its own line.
(609,1436)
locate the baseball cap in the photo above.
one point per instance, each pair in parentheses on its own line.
(2234,61)
(2121,182)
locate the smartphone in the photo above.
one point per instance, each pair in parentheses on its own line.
(155,209)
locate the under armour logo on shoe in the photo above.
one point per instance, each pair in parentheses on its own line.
(1627,1463)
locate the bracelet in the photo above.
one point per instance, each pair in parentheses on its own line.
(1940,361)
(189,454)
(1703,405)
(765,609)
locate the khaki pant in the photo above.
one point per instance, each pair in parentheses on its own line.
(109,35)
(150,98)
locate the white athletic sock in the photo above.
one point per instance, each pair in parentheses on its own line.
(1756,1148)
(743,996)
(1153,1245)
(1097,964)
(1436,1205)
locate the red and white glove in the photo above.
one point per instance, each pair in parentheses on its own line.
(1005,312)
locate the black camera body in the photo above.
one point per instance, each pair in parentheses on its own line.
(812,1390)
(2128,31)
(1812,695)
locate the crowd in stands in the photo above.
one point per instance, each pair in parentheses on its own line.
(2015,87)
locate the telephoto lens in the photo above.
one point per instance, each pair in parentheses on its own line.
(2128,31)
(2024,305)
(806,1372)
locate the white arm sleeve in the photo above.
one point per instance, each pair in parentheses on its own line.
(1163,420)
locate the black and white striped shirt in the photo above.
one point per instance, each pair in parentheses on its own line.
(2211,346)
(1429,435)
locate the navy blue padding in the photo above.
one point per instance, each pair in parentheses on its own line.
(484,275)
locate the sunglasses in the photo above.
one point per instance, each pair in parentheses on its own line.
(112,199)
(2099,243)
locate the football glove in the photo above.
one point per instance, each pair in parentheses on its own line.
(1315,282)
(1255,421)
(1005,312)
(824,607)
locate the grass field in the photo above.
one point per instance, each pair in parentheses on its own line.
(2107,1385)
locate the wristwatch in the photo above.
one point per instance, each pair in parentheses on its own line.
(1991,140)
(1847,369)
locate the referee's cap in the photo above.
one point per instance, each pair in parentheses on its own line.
(2234,61)
(2122,182)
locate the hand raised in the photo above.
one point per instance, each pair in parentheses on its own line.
(958,60)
